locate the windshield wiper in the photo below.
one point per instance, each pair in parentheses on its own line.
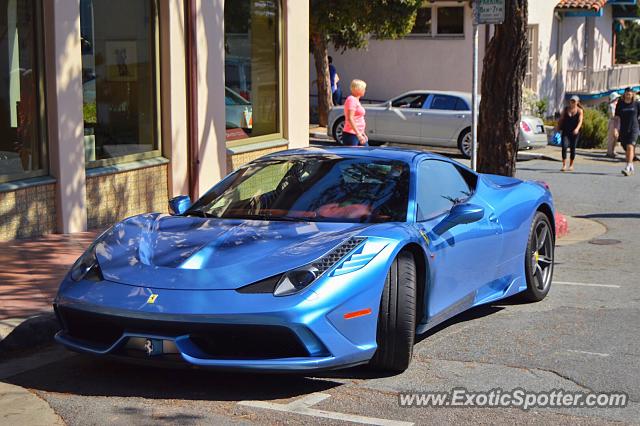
(265,217)
(198,213)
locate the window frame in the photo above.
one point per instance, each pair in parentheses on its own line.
(461,171)
(280,134)
(434,20)
(42,123)
(532,68)
(157,143)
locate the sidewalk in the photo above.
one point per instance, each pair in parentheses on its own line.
(32,271)
(549,152)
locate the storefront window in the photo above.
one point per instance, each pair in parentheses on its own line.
(22,147)
(119,80)
(422,25)
(252,68)
(451,20)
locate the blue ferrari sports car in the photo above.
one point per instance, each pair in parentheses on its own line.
(310,259)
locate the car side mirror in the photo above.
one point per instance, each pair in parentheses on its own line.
(460,214)
(180,204)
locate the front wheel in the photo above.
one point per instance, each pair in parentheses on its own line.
(539,259)
(338,130)
(397,318)
(465,143)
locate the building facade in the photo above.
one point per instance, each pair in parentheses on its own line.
(571,52)
(108,108)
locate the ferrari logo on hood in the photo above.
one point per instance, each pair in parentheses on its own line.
(152,299)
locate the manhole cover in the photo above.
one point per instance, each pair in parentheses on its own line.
(604,242)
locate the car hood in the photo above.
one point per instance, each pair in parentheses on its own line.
(176,252)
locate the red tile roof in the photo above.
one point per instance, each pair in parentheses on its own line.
(594,5)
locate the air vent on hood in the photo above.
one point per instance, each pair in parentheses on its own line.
(335,255)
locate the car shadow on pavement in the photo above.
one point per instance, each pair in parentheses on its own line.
(363,372)
(87,376)
(610,216)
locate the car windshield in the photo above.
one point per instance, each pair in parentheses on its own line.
(311,188)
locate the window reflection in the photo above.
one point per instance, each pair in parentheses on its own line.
(21,148)
(119,78)
(252,68)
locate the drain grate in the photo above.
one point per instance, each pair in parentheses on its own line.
(604,242)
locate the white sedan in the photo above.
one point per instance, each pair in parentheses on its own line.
(429,117)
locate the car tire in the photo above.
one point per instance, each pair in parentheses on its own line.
(464,143)
(397,317)
(539,259)
(338,130)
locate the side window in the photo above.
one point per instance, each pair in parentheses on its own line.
(462,105)
(414,100)
(440,186)
(444,102)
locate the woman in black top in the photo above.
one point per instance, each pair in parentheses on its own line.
(627,116)
(570,124)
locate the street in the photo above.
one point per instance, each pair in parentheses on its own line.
(582,337)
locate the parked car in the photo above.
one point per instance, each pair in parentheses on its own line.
(239,112)
(310,259)
(429,117)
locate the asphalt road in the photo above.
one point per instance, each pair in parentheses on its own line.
(583,337)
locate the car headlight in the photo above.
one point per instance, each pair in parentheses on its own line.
(87,267)
(293,281)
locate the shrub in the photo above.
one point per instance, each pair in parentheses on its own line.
(541,107)
(594,129)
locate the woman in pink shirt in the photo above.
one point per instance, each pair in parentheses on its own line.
(354,124)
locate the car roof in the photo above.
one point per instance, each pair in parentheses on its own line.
(465,95)
(386,153)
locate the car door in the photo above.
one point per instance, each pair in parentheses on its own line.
(464,259)
(444,118)
(401,119)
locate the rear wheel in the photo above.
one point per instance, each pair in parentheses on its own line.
(539,259)
(397,318)
(465,143)
(338,130)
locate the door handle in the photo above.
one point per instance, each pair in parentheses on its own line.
(418,113)
(461,116)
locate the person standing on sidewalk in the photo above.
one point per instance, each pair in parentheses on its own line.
(612,137)
(336,91)
(627,116)
(354,124)
(570,124)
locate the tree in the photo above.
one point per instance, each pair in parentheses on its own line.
(503,72)
(348,24)
(628,44)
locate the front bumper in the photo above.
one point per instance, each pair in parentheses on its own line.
(207,329)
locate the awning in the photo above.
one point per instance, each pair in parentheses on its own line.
(588,5)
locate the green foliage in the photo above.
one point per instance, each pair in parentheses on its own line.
(594,129)
(90,113)
(349,23)
(541,107)
(603,107)
(628,44)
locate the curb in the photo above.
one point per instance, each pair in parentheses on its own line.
(320,135)
(21,407)
(31,333)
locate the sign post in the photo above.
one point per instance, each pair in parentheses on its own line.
(484,12)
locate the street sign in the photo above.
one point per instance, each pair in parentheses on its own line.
(489,11)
